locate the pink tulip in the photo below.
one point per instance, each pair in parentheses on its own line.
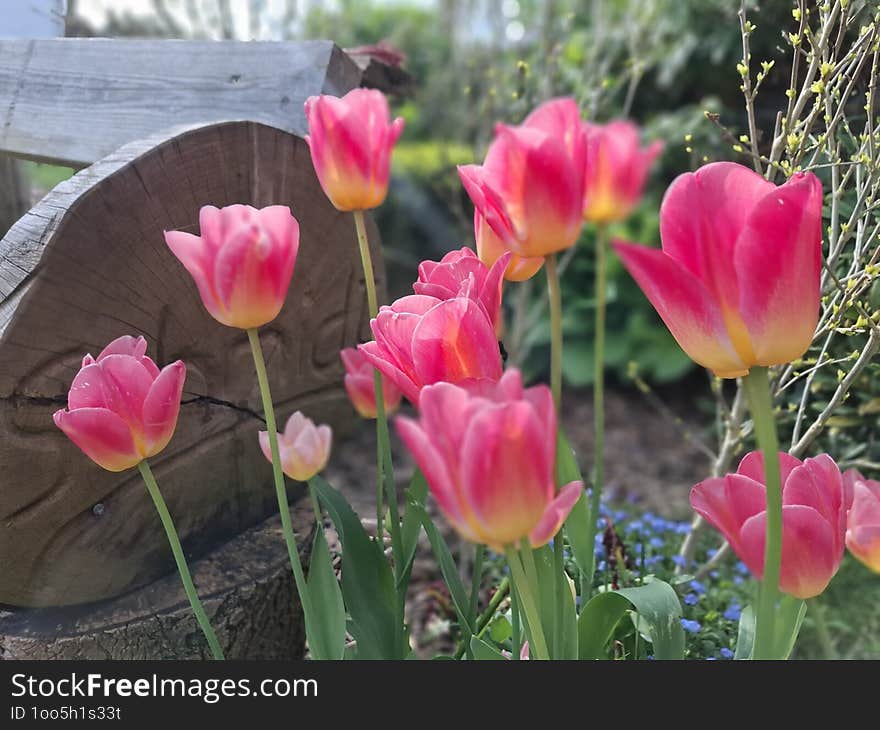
(530,189)
(351,141)
(813,518)
(422,340)
(617,166)
(488,455)
(360,386)
(737,281)
(863,519)
(490,248)
(304,447)
(461,273)
(121,407)
(242,262)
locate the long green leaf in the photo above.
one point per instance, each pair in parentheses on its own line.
(367,583)
(789,618)
(325,616)
(745,639)
(412,525)
(658,606)
(558,616)
(483,651)
(577,525)
(597,622)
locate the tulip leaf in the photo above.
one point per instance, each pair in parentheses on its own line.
(745,639)
(558,616)
(789,618)
(324,610)
(597,622)
(448,569)
(659,608)
(367,582)
(577,525)
(484,652)
(412,525)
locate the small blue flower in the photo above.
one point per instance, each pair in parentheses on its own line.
(550,543)
(726,653)
(637,548)
(738,580)
(713,574)
(691,626)
(691,599)
(683,528)
(653,560)
(698,587)
(650,657)
(733,612)
(740,567)
(656,543)
(711,552)
(711,658)
(679,560)
(601,565)
(636,526)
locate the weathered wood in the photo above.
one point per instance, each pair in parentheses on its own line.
(76,100)
(246,587)
(14,197)
(88,264)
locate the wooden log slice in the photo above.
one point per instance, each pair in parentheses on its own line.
(88,264)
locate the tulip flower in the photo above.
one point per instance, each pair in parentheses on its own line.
(461,273)
(617,166)
(530,188)
(121,408)
(242,262)
(813,518)
(422,340)
(490,248)
(737,281)
(305,448)
(863,519)
(351,140)
(488,455)
(360,386)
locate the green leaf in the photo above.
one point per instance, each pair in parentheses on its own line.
(324,610)
(558,616)
(745,639)
(367,582)
(500,629)
(483,651)
(789,618)
(597,622)
(577,525)
(447,568)
(658,606)
(412,524)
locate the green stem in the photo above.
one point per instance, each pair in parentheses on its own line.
(599,293)
(277,472)
(476,579)
(180,559)
(385,465)
(515,627)
(757,387)
(486,617)
(554,294)
(524,591)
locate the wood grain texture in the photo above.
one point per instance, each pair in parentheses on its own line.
(76,100)
(246,587)
(88,264)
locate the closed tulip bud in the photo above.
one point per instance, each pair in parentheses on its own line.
(360,386)
(242,261)
(461,273)
(737,280)
(488,454)
(617,167)
(863,518)
(490,248)
(422,340)
(530,188)
(304,447)
(813,518)
(121,408)
(351,141)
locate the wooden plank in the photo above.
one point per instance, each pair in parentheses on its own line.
(76,100)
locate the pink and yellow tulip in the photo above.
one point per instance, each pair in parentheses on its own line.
(530,188)
(737,280)
(422,340)
(351,140)
(813,518)
(304,447)
(863,518)
(617,167)
(360,386)
(461,274)
(121,408)
(488,454)
(490,248)
(242,261)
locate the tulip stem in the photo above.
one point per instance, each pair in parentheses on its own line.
(757,387)
(278,473)
(180,559)
(554,295)
(383,440)
(526,596)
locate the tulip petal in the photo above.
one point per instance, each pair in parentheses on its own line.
(555,514)
(162,406)
(686,306)
(125,345)
(386,363)
(727,503)
(752,466)
(818,484)
(778,263)
(102,436)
